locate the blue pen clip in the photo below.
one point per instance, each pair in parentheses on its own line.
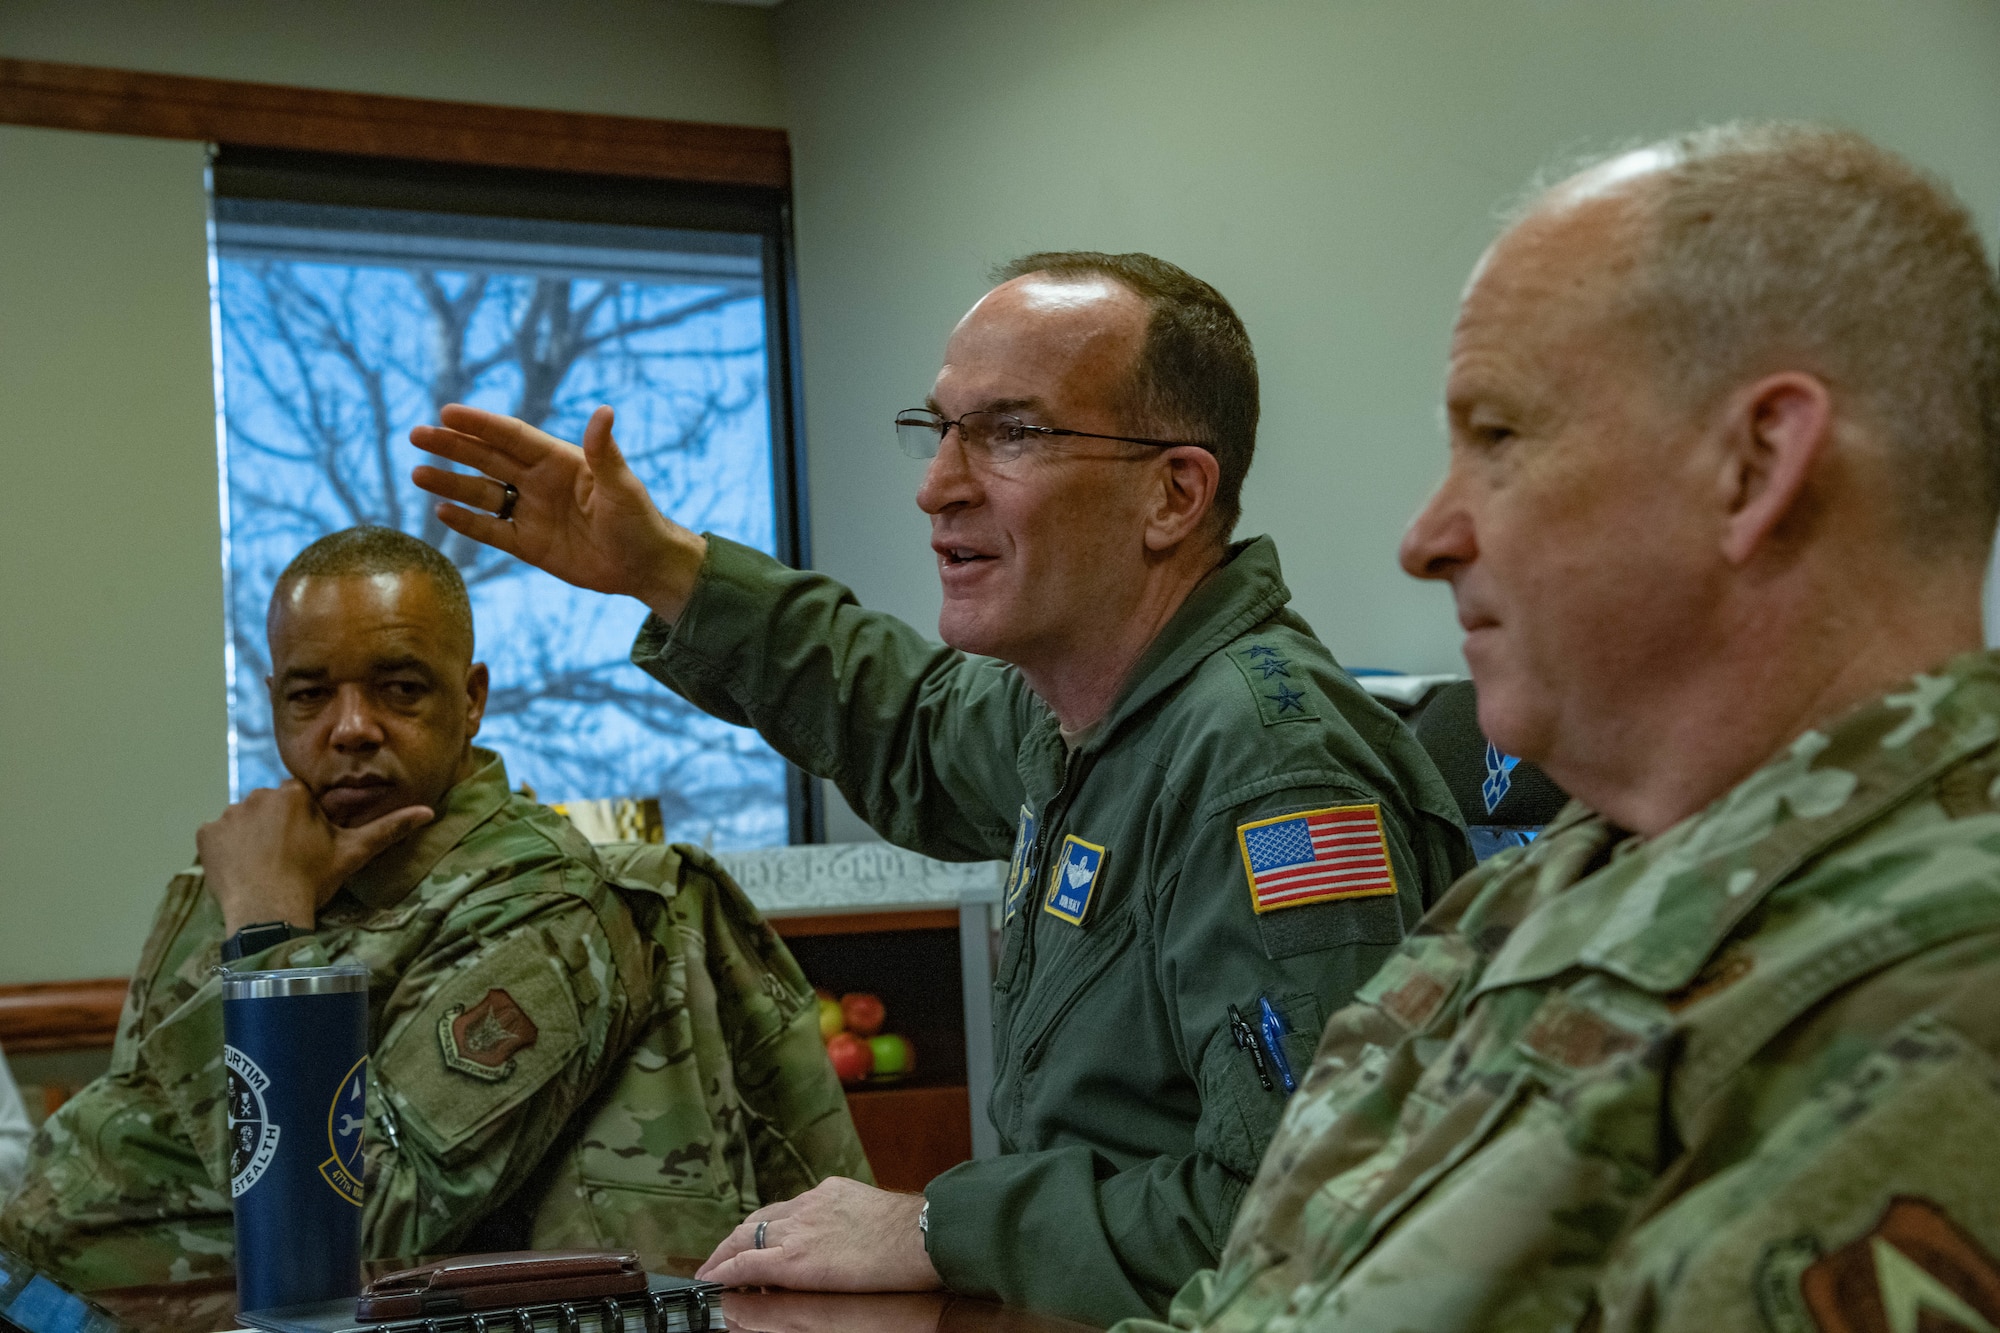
(1274,1035)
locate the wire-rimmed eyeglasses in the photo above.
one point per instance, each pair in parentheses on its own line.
(998,435)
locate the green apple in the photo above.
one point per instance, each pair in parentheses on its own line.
(830,1021)
(893,1054)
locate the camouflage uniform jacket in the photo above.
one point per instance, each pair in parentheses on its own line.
(1741,1075)
(508,978)
(726,1101)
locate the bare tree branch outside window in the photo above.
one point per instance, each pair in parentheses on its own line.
(326,367)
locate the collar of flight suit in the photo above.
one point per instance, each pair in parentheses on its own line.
(1658,910)
(1244,591)
(388,879)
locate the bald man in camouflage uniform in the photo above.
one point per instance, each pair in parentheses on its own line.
(509,979)
(1720,1050)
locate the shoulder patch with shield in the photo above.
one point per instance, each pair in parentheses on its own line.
(481,1041)
(1916,1270)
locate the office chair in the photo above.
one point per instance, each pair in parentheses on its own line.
(1505,800)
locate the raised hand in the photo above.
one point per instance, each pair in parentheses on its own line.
(581,514)
(275,856)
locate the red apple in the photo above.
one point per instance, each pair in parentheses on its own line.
(893,1054)
(830,1021)
(863,1013)
(852,1060)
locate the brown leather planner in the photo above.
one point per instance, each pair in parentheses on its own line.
(502,1281)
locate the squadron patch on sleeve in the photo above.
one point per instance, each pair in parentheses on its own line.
(1916,1270)
(481,1041)
(1019,871)
(1316,855)
(1074,880)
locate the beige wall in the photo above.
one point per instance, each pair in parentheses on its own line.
(670,58)
(1331,165)
(111,685)
(111,690)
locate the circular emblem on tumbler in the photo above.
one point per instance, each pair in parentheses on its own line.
(253,1137)
(344,1118)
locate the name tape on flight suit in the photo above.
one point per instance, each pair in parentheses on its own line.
(1074,879)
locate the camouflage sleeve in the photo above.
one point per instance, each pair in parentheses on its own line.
(115,1196)
(14,1132)
(184,942)
(490,1044)
(727,1100)
(116,1193)
(1846,1179)
(799,1126)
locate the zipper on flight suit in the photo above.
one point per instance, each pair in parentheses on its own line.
(1052,815)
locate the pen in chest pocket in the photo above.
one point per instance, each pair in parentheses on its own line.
(1245,1038)
(1275,1031)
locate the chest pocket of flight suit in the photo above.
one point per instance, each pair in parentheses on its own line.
(1523,1178)
(1071,960)
(485,1040)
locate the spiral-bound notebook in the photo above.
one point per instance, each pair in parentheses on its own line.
(670,1305)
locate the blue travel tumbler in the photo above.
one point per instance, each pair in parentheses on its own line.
(296,1053)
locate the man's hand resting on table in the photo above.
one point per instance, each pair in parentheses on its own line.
(582,514)
(275,856)
(839,1235)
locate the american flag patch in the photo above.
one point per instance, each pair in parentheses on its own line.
(1316,855)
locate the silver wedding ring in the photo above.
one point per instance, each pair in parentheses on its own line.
(510,497)
(759,1241)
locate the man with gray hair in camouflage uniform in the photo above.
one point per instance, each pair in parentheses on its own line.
(1719,1050)
(544,1070)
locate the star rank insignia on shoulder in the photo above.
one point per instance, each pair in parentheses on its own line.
(1280,694)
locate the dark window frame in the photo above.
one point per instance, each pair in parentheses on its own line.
(664,172)
(243,172)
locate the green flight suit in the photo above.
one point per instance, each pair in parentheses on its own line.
(1742,1076)
(659,1072)
(1130,1122)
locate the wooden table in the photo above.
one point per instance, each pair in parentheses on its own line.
(209,1306)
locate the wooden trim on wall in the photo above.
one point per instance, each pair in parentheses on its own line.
(864,923)
(61,1015)
(267,115)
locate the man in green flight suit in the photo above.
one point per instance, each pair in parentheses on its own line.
(509,978)
(1204,812)
(1716,1052)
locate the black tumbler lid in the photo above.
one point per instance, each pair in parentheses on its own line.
(340,979)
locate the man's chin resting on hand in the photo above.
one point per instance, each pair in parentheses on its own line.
(395,844)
